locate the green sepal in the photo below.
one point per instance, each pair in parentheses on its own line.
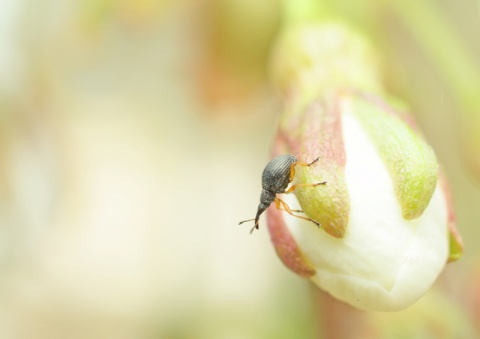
(456,247)
(410,161)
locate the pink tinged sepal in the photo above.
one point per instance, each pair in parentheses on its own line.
(455,239)
(316,131)
(285,245)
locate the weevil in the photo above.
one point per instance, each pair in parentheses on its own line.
(276,177)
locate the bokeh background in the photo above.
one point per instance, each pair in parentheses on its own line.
(132,138)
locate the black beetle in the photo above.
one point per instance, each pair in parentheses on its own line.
(275,178)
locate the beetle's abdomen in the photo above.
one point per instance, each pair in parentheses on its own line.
(276,175)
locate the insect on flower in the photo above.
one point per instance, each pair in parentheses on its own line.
(277,175)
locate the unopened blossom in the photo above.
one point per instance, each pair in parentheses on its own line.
(387,223)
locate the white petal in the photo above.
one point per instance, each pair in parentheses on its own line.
(384,262)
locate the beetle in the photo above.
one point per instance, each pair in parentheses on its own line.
(276,177)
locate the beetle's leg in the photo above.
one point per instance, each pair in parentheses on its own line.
(292,167)
(292,171)
(279,207)
(289,211)
(307,164)
(291,189)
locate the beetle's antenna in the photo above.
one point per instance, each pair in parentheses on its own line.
(241,222)
(254,227)
(261,208)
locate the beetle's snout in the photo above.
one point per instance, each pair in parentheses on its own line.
(261,208)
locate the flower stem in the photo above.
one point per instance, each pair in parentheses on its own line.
(339,320)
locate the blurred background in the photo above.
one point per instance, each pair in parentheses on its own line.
(132,138)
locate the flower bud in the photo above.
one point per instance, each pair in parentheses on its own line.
(387,223)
